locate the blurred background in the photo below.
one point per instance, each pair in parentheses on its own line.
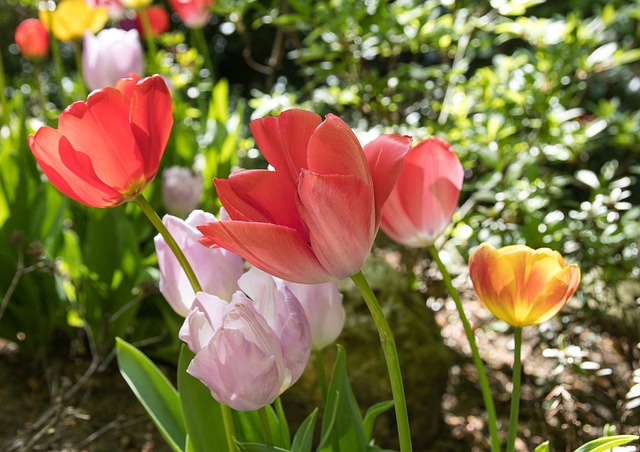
(541,102)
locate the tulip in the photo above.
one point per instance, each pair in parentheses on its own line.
(194,13)
(323,305)
(105,151)
(136,4)
(181,190)
(114,7)
(248,351)
(72,18)
(32,38)
(217,270)
(109,56)
(421,205)
(522,286)
(315,217)
(158,20)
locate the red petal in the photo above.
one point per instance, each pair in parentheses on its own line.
(384,157)
(338,210)
(334,149)
(100,129)
(69,171)
(284,140)
(151,121)
(261,196)
(277,250)
(125,85)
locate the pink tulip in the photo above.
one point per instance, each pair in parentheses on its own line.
(181,190)
(194,13)
(315,217)
(421,205)
(323,305)
(250,350)
(217,270)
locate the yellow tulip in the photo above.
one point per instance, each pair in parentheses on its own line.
(136,4)
(520,285)
(72,18)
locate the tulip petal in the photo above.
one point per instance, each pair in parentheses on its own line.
(334,149)
(338,210)
(277,250)
(284,140)
(384,156)
(151,121)
(260,196)
(69,171)
(557,291)
(100,129)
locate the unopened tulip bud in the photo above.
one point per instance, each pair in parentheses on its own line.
(217,270)
(520,285)
(194,13)
(109,56)
(32,38)
(181,190)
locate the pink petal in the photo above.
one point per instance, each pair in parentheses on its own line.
(384,156)
(151,121)
(100,129)
(283,140)
(69,171)
(334,149)
(277,250)
(260,196)
(338,210)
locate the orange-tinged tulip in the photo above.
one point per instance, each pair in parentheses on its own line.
(106,150)
(32,38)
(72,18)
(520,285)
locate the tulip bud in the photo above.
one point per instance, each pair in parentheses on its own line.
(522,286)
(158,20)
(322,304)
(250,350)
(32,38)
(423,201)
(114,7)
(109,56)
(194,13)
(181,190)
(217,270)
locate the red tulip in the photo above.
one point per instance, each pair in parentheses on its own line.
(421,205)
(105,151)
(314,218)
(158,20)
(32,38)
(194,13)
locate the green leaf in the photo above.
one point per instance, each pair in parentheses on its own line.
(155,392)
(372,414)
(343,427)
(606,442)
(255,447)
(544,447)
(202,414)
(303,440)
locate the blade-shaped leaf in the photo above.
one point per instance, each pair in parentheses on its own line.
(606,443)
(154,391)
(372,414)
(303,440)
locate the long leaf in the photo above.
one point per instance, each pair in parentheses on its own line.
(372,414)
(303,440)
(154,391)
(202,413)
(606,443)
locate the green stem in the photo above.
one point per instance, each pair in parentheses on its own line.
(77,51)
(150,39)
(203,49)
(55,52)
(515,392)
(322,379)
(391,357)
(155,220)
(43,95)
(266,428)
(484,382)
(3,98)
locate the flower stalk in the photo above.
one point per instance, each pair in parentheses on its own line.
(515,392)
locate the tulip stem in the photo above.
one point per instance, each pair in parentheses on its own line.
(3,97)
(391,357)
(55,52)
(266,427)
(147,31)
(155,220)
(515,392)
(77,51)
(43,94)
(322,379)
(203,48)
(484,382)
